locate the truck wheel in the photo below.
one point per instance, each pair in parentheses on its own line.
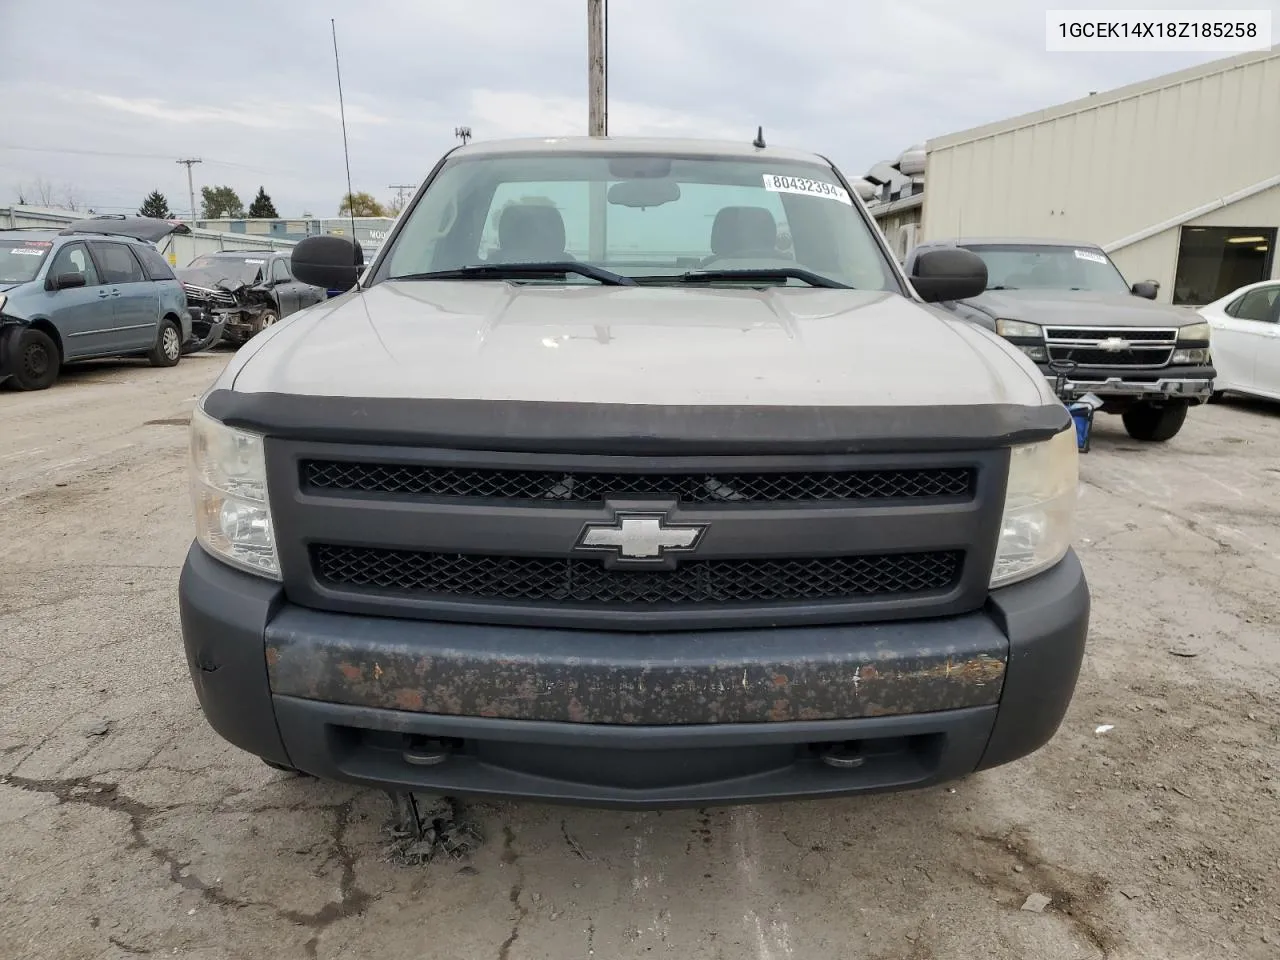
(36,360)
(168,349)
(1154,424)
(265,319)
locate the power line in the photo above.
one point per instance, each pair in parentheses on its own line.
(400,189)
(128,156)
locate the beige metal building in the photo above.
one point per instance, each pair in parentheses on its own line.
(1178,178)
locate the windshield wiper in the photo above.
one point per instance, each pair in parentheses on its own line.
(763,274)
(503,271)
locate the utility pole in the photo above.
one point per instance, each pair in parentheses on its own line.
(597,118)
(400,189)
(463,134)
(191,190)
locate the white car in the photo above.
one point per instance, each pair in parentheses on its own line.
(1246,340)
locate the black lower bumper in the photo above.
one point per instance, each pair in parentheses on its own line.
(633,719)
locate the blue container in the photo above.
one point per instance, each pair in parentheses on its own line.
(1082,416)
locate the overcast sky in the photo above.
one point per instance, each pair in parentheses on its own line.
(103,96)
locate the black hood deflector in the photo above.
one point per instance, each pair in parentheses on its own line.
(635,429)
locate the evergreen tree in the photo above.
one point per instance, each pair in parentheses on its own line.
(262,206)
(156,206)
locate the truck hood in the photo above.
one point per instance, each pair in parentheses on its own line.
(1064,307)
(472,340)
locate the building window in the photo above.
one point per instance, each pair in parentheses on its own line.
(1213,261)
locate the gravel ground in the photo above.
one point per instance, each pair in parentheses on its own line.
(128,828)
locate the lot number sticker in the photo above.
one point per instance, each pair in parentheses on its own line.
(781,183)
(28,251)
(1090,256)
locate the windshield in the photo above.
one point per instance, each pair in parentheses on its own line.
(20,260)
(1047,267)
(216,269)
(653,217)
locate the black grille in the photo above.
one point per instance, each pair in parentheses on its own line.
(1133,334)
(578,487)
(589,583)
(1094,357)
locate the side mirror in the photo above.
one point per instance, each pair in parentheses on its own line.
(65,281)
(948,273)
(334,263)
(1146,288)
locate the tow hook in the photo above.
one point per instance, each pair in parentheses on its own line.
(843,756)
(427,753)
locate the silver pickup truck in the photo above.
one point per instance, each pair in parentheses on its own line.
(592,488)
(1068,307)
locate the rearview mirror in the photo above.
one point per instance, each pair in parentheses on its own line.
(644,193)
(66,281)
(334,263)
(1146,288)
(948,273)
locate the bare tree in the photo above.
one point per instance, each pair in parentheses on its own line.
(22,194)
(43,191)
(71,198)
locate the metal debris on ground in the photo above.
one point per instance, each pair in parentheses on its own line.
(426,828)
(1105,728)
(1035,903)
(96,728)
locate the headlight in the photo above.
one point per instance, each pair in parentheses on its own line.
(1016,328)
(1194,333)
(229,493)
(1198,355)
(1039,508)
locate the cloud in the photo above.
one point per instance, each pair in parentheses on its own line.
(515,113)
(256,115)
(857,82)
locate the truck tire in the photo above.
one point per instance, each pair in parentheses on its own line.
(36,360)
(168,349)
(1153,424)
(266,318)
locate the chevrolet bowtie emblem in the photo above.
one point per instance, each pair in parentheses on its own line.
(639,535)
(1114,344)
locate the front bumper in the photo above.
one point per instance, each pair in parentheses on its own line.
(1187,383)
(610,718)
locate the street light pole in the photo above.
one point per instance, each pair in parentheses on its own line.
(191,190)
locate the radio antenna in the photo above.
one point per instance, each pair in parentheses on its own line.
(342,113)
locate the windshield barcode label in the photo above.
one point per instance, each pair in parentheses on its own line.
(780,183)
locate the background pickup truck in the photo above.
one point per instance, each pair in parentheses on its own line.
(1062,301)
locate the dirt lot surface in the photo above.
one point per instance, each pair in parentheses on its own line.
(127,828)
